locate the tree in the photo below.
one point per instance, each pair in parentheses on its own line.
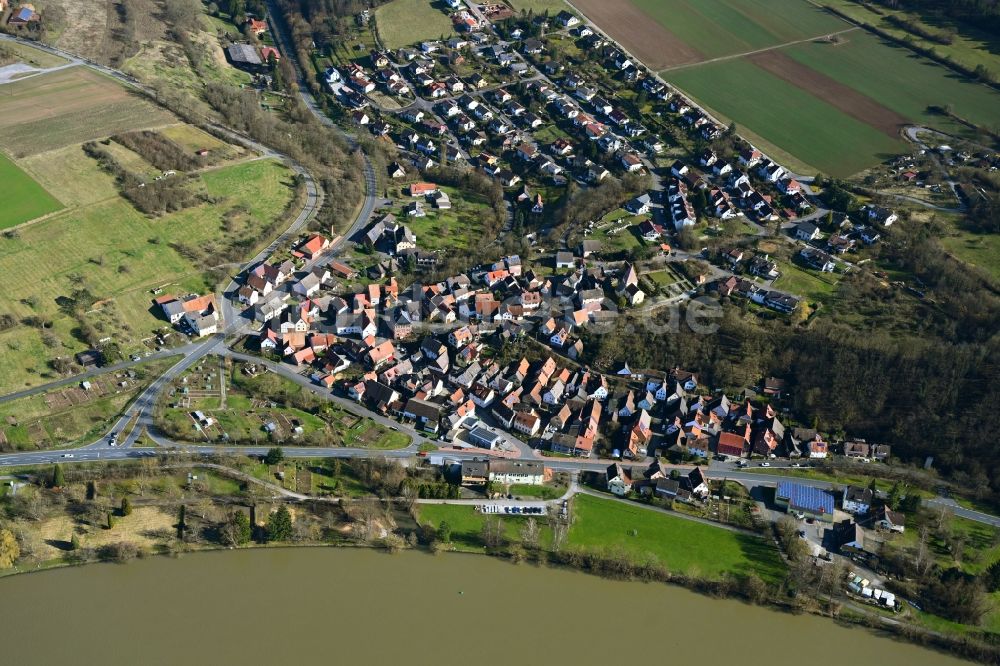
(274,456)
(895,494)
(237,530)
(492,533)
(58,477)
(181,517)
(754,588)
(126,506)
(530,534)
(74,542)
(279,525)
(444,532)
(9,549)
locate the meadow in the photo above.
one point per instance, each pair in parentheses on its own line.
(70,106)
(970,46)
(814,105)
(775,113)
(23,198)
(664,33)
(681,545)
(405,22)
(901,80)
(106,247)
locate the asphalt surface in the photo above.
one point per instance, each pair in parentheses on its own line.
(141,410)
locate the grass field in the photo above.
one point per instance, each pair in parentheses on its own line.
(811,285)
(33,56)
(67,107)
(118,255)
(982,250)
(813,105)
(404,22)
(969,46)
(553,7)
(23,198)
(457,228)
(790,118)
(70,175)
(901,80)
(665,33)
(681,545)
(467,524)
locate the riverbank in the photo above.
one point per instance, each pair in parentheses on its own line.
(176,508)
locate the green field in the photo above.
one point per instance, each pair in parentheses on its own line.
(458,228)
(67,107)
(405,22)
(982,250)
(812,105)
(725,27)
(969,45)
(467,524)
(786,116)
(809,284)
(553,7)
(680,545)
(23,198)
(901,81)
(118,255)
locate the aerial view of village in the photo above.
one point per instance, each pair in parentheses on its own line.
(686,313)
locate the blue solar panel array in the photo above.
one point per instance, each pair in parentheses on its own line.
(806,497)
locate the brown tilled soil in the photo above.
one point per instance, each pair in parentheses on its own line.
(644,38)
(846,99)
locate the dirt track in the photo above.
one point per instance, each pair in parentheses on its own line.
(836,94)
(644,38)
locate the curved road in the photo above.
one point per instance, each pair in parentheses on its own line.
(142,408)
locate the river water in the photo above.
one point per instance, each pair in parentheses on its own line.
(358,606)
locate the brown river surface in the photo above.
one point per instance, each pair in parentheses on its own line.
(358,606)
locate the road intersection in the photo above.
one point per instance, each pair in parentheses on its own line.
(140,413)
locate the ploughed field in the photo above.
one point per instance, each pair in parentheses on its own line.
(806,86)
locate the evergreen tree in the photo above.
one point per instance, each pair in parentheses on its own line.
(895,494)
(279,525)
(240,529)
(274,456)
(444,532)
(126,506)
(181,526)
(58,477)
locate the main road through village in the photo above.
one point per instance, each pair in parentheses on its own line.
(138,417)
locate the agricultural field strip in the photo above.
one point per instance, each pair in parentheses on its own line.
(875,109)
(735,56)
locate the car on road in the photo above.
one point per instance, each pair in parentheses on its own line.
(796,465)
(765,464)
(67,455)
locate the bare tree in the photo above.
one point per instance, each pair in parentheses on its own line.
(530,534)
(493,534)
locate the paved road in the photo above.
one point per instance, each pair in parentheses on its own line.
(142,408)
(280,33)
